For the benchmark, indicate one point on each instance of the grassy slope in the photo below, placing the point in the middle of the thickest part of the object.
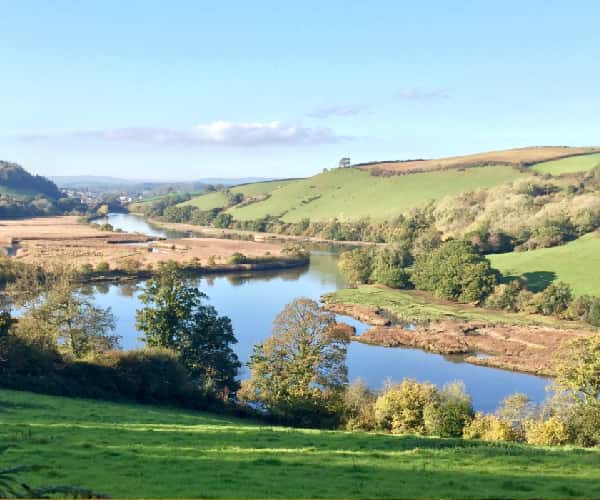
(218, 199)
(568, 165)
(421, 306)
(135, 451)
(353, 193)
(576, 263)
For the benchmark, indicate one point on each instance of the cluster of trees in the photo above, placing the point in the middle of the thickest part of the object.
(63, 343)
(454, 270)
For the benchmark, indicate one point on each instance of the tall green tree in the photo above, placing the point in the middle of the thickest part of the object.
(455, 271)
(299, 373)
(176, 317)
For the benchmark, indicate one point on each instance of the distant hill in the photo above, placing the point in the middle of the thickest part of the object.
(116, 184)
(16, 182)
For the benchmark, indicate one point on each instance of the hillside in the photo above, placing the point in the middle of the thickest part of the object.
(350, 194)
(363, 191)
(16, 182)
(131, 451)
(576, 263)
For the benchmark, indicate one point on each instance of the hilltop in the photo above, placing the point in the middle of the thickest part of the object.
(16, 182)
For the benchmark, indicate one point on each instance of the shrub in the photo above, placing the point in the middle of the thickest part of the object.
(555, 299)
(550, 432)
(359, 411)
(584, 422)
(102, 267)
(505, 297)
(357, 265)
(400, 408)
(448, 415)
(237, 258)
(489, 428)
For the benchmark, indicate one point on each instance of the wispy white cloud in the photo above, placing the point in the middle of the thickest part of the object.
(219, 133)
(415, 94)
(337, 111)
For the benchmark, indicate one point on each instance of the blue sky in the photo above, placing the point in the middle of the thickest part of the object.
(184, 90)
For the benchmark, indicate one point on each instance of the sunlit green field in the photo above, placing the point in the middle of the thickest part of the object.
(351, 193)
(576, 263)
(130, 451)
(568, 165)
(412, 305)
(218, 199)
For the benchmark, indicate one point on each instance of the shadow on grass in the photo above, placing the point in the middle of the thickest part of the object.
(536, 280)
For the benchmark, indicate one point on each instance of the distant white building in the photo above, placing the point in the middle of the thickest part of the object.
(344, 162)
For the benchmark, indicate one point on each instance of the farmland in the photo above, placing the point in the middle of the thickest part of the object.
(576, 263)
(351, 194)
(568, 165)
(131, 451)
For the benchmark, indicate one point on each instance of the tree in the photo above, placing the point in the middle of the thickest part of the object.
(578, 368)
(299, 373)
(390, 267)
(455, 271)
(63, 316)
(357, 265)
(175, 317)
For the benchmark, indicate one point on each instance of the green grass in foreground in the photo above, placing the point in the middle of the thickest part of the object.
(419, 306)
(576, 263)
(351, 193)
(569, 165)
(130, 451)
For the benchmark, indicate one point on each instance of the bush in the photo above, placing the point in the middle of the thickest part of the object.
(505, 297)
(489, 428)
(400, 408)
(359, 411)
(584, 422)
(357, 265)
(102, 267)
(237, 258)
(550, 432)
(555, 299)
(448, 415)
(455, 271)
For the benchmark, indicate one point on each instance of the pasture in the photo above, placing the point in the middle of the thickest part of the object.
(132, 451)
(576, 263)
(569, 165)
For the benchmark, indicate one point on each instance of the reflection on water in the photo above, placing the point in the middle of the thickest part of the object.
(132, 223)
(252, 300)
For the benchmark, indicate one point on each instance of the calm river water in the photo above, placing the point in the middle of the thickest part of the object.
(253, 301)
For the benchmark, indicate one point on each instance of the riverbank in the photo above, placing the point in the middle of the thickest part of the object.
(239, 234)
(114, 255)
(516, 342)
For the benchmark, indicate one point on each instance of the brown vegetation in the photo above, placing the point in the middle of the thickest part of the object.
(519, 157)
(45, 241)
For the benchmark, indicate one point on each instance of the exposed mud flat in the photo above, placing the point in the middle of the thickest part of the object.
(524, 348)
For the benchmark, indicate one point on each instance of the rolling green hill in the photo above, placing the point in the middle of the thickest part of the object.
(570, 165)
(576, 263)
(350, 193)
(131, 451)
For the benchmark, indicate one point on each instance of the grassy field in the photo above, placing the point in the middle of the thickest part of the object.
(568, 165)
(576, 263)
(218, 199)
(421, 306)
(130, 451)
(353, 193)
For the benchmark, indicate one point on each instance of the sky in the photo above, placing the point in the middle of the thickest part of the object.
(195, 89)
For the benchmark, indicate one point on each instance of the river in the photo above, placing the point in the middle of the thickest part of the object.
(252, 301)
